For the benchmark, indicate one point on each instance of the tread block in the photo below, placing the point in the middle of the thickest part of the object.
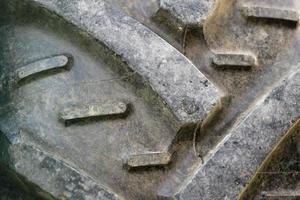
(247, 60)
(94, 110)
(63, 179)
(271, 13)
(186, 12)
(175, 80)
(149, 159)
(43, 65)
(230, 166)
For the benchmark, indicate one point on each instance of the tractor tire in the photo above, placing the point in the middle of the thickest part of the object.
(149, 99)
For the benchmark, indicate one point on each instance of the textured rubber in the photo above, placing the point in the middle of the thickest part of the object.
(139, 99)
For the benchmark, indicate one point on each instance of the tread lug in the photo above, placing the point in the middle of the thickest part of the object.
(147, 54)
(94, 110)
(280, 193)
(237, 154)
(246, 60)
(47, 167)
(56, 62)
(270, 13)
(149, 159)
(190, 13)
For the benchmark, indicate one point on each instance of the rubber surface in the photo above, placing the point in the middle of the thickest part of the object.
(145, 99)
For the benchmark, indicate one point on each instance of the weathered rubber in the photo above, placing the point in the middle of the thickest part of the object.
(188, 13)
(62, 180)
(232, 164)
(163, 70)
(169, 73)
(104, 108)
